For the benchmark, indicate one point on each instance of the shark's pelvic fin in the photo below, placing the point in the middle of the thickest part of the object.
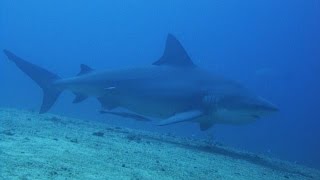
(174, 55)
(84, 69)
(42, 77)
(181, 117)
(79, 98)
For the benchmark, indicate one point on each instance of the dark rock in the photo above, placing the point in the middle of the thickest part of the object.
(7, 132)
(54, 119)
(133, 137)
(74, 140)
(109, 129)
(99, 134)
(53, 173)
(65, 169)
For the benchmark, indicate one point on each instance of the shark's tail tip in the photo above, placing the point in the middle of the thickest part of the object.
(11, 56)
(7, 52)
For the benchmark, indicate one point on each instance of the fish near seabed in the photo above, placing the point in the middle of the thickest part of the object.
(173, 89)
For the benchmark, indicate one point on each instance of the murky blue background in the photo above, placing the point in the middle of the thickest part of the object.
(272, 47)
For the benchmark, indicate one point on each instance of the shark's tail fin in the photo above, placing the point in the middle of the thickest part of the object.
(42, 77)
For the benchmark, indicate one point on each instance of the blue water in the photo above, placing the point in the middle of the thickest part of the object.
(272, 47)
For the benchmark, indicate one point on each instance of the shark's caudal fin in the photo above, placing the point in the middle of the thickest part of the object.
(41, 76)
(174, 55)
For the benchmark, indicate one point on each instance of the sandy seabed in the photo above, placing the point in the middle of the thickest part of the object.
(49, 146)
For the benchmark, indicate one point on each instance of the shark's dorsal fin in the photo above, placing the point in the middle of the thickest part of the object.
(174, 55)
(84, 69)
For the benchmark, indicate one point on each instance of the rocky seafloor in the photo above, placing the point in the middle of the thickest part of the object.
(49, 146)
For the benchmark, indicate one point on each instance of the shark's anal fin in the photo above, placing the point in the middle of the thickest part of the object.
(79, 98)
(205, 125)
(84, 69)
(174, 55)
(181, 117)
(107, 103)
(136, 117)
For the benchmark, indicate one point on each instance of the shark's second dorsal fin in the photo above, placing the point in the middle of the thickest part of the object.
(174, 55)
(84, 69)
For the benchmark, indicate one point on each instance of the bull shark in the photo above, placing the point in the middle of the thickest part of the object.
(172, 90)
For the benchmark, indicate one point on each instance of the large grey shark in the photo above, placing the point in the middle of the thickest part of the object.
(172, 89)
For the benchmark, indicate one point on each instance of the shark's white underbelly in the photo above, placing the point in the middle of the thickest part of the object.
(153, 107)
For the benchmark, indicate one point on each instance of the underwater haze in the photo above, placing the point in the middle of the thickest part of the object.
(272, 47)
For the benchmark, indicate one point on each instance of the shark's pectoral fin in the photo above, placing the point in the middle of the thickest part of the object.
(205, 125)
(124, 114)
(79, 98)
(181, 117)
